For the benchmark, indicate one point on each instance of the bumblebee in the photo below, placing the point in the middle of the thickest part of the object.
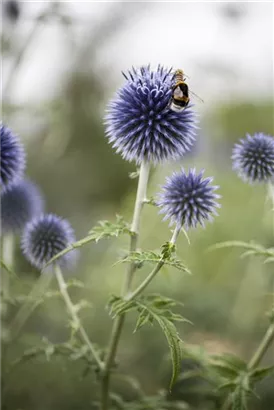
(180, 92)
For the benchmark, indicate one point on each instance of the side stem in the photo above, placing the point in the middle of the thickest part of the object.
(119, 321)
(153, 273)
(71, 309)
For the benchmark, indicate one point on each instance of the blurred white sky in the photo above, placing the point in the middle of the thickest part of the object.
(222, 58)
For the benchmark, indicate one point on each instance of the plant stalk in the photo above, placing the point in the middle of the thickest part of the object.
(119, 321)
(8, 258)
(154, 272)
(72, 311)
(27, 309)
(262, 348)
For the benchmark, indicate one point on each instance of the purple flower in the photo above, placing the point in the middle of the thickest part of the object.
(12, 158)
(253, 158)
(19, 204)
(139, 123)
(188, 199)
(45, 237)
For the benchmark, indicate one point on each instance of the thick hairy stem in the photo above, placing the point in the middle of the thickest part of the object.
(73, 313)
(119, 321)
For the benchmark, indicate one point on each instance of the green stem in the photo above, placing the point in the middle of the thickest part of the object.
(262, 348)
(8, 258)
(72, 311)
(119, 321)
(154, 272)
(27, 309)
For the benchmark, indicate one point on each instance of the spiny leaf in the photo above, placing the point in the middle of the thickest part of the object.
(172, 337)
(230, 360)
(251, 249)
(261, 373)
(225, 371)
(103, 230)
(140, 257)
(155, 308)
(106, 229)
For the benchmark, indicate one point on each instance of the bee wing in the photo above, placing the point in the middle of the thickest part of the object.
(196, 96)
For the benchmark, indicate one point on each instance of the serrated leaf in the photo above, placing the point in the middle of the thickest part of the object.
(140, 257)
(230, 360)
(227, 386)
(252, 249)
(104, 230)
(225, 371)
(259, 374)
(172, 337)
(143, 318)
(107, 229)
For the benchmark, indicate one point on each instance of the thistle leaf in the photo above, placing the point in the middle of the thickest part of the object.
(261, 373)
(103, 230)
(140, 257)
(251, 249)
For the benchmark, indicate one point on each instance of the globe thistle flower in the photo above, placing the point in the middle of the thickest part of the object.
(12, 158)
(188, 199)
(19, 204)
(139, 123)
(46, 236)
(253, 158)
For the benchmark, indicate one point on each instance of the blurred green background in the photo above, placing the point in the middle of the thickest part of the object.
(61, 65)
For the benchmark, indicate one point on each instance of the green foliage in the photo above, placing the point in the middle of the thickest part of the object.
(103, 230)
(155, 308)
(238, 379)
(166, 256)
(252, 249)
(7, 269)
(48, 350)
(157, 402)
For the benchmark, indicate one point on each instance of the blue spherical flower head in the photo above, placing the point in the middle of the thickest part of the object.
(140, 124)
(19, 204)
(253, 158)
(45, 237)
(12, 158)
(188, 199)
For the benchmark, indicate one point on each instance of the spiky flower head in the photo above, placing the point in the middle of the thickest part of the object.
(140, 124)
(19, 204)
(188, 199)
(44, 237)
(253, 158)
(12, 158)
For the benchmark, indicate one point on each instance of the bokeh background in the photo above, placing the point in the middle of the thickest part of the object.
(62, 62)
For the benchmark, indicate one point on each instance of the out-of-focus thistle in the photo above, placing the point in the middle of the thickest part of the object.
(11, 10)
(139, 123)
(253, 158)
(44, 237)
(188, 199)
(19, 204)
(12, 158)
